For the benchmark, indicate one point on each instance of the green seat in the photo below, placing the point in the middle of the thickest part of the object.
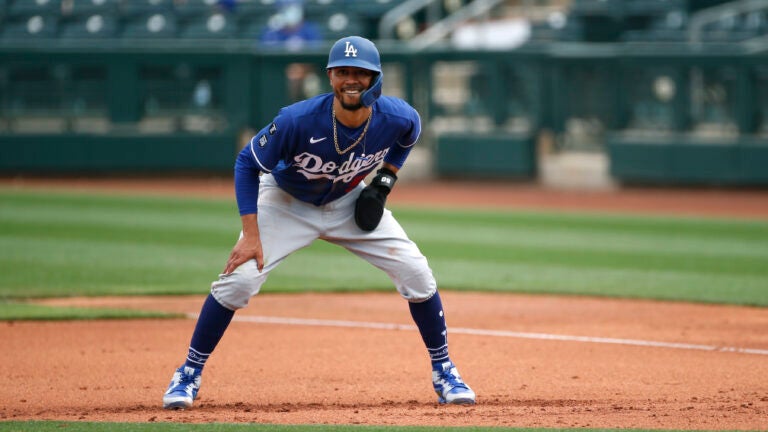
(336, 25)
(161, 26)
(196, 8)
(251, 27)
(30, 27)
(94, 26)
(146, 7)
(371, 8)
(92, 7)
(19, 8)
(323, 6)
(216, 25)
(258, 9)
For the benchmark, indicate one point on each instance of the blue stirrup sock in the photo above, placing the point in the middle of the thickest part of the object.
(430, 320)
(213, 321)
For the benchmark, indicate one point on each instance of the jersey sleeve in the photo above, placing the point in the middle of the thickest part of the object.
(402, 147)
(246, 183)
(261, 154)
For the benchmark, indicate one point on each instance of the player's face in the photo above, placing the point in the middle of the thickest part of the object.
(348, 84)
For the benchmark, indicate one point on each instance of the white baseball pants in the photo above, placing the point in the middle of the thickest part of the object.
(287, 225)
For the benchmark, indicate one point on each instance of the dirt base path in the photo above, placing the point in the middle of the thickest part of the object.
(534, 361)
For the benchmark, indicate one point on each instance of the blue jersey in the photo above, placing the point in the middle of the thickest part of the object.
(299, 149)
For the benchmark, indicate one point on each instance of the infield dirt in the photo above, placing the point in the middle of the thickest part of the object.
(534, 361)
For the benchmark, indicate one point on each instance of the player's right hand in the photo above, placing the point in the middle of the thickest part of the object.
(247, 248)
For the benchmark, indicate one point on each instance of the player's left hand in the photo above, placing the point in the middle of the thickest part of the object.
(248, 246)
(369, 207)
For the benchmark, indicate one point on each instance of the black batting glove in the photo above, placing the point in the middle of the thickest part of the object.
(369, 207)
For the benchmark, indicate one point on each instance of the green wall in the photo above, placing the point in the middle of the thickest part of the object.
(666, 114)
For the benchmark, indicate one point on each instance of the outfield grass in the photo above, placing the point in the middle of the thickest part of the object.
(57, 244)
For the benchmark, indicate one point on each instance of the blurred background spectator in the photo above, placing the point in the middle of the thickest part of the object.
(289, 28)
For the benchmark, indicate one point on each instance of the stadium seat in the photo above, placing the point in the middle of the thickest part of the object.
(669, 27)
(653, 7)
(756, 21)
(251, 27)
(195, 8)
(255, 9)
(323, 6)
(736, 28)
(89, 27)
(34, 7)
(30, 27)
(371, 8)
(572, 31)
(371, 12)
(216, 25)
(93, 7)
(150, 26)
(597, 7)
(336, 25)
(146, 7)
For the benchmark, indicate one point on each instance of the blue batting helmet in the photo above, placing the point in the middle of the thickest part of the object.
(356, 51)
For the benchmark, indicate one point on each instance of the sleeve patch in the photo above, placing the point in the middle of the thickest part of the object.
(272, 129)
(262, 141)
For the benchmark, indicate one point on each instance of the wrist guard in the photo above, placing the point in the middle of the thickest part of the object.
(369, 207)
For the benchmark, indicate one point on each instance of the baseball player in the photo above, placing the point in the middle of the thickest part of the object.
(301, 179)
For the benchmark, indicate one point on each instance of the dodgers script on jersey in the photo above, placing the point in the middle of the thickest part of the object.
(300, 150)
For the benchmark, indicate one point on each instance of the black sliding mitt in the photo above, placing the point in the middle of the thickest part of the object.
(370, 204)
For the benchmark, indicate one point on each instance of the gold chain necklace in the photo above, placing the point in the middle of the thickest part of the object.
(357, 141)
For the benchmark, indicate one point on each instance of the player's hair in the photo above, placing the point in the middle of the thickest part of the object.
(356, 51)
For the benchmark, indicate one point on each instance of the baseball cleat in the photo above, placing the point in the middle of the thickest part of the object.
(183, 388)
(449, 387)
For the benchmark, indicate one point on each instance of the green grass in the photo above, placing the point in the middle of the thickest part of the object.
(57, 244)
(66, 245)
(18, 311)
(647, 257)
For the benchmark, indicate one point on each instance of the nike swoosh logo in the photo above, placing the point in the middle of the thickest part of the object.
(313, 140)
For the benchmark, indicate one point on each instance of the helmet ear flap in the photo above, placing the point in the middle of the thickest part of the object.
(374, 91)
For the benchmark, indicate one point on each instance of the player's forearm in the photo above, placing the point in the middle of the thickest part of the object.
(250, 224)
(390, 167)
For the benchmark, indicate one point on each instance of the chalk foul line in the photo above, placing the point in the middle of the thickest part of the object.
(312, 322)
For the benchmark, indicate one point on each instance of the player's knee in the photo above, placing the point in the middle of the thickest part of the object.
(417, 286)
(234, 290)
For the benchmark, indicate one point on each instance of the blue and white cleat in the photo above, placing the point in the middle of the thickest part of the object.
(183, 388)
(449, 387)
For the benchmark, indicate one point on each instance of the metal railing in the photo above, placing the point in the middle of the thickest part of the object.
(390, 20)
(439, 30)
(726, 11)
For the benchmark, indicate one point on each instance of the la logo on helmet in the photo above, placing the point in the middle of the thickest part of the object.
(350, 50)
